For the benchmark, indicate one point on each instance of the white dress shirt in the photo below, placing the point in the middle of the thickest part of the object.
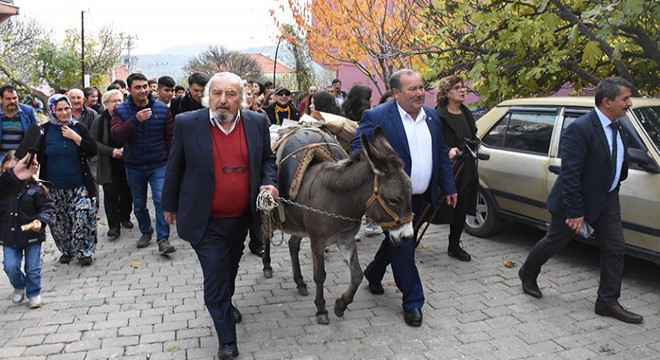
(215, 122)
(420, 144)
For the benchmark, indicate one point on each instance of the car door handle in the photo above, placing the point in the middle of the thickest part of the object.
(483, 156)
(554, 169)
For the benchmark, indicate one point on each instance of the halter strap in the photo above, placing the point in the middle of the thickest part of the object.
(397, 220)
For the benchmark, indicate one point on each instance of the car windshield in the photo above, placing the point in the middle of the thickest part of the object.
(649, 117)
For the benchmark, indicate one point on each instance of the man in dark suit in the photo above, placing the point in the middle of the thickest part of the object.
(594, 163)
(414, 132)
(220, 159)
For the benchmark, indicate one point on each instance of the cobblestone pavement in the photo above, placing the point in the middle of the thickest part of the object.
(134, 304)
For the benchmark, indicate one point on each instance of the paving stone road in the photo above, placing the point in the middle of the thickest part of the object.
(133, 304)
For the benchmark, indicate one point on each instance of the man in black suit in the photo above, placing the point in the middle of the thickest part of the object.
(220, 160)
(594, 163)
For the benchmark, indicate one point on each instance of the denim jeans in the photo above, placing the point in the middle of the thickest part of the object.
(137, 181)
(31, 279)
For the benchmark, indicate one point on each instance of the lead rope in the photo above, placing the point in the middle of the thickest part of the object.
(270, 220)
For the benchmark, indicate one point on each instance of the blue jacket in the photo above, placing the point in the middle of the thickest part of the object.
(583, 181)
(387, 116)
(26, 113)
(146, 144)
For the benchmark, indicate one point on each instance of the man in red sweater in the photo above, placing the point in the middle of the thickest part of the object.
(220, 160)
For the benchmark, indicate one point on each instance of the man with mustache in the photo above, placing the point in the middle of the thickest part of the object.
(15, 117)
(415, 133)
(586, 193)
(220, 160)
(144, 126)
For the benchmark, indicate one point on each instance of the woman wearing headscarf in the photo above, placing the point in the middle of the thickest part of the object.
(457, 125)
(111, 173)
(63, 153)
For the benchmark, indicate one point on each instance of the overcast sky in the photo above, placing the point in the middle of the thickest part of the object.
(235, 24)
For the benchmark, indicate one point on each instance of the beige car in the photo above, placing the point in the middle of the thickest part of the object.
(520, 139)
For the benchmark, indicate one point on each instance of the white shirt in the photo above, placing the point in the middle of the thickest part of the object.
(216, 123)
(420, 144)
(609, 134)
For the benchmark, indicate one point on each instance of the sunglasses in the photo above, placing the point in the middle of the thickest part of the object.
(284, 94)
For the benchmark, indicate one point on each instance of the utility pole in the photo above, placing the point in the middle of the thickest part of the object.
(82, 38)
(128, 60)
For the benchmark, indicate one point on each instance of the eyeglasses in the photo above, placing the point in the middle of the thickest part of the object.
(231, 169)
(283, 94)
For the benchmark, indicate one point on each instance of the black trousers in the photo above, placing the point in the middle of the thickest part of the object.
(608, 233)
(219, 253)
(465, 198)
(117, 199)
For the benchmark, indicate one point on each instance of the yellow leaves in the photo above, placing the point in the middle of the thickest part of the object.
(136, 264)
(508, 263)
(592, 54)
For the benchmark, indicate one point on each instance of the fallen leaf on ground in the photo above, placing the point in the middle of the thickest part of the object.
(422, 246)
(135, 264)
(174, 348)
(607, 349)
(509, 263)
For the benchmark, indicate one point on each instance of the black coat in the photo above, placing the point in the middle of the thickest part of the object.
(183, 104)
(31, 203)
(467, 180)
(270, 111)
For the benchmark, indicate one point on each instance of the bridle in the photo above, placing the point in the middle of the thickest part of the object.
(397, 220)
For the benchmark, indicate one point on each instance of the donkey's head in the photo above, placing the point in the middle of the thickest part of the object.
(390, 205)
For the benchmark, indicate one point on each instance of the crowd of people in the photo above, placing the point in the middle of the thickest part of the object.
(205, 153)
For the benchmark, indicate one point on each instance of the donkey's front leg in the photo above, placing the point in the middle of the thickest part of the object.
(318, 253)
(349, 251)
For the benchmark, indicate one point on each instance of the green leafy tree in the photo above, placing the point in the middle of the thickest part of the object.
(524, 48)
(302, 61)
(218, 59)
(60, 65)
(20, 39)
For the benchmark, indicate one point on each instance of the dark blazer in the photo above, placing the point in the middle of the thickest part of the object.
(189, 178)
(387, 116)
(183, 104)
(583, 180)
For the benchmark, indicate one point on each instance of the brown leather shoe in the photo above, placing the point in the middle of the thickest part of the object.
(529, 285)
(618, 312)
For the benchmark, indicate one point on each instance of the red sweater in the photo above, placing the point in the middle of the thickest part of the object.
(231, 163)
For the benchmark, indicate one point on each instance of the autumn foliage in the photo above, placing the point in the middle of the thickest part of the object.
(370, 34)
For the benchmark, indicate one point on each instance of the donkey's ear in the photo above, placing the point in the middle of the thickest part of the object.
(376, 162)
(380, 141)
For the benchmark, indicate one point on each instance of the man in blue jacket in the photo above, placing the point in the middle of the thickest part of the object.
(415, 133)
(15, 117)
(586, 193)
(145, 127)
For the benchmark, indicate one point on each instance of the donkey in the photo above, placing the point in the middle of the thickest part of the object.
(371, 181)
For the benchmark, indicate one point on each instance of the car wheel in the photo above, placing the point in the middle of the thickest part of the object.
(485, 222)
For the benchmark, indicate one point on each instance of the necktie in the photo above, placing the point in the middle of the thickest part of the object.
(614, 126)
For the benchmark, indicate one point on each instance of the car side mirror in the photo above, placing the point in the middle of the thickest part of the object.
(643, 159)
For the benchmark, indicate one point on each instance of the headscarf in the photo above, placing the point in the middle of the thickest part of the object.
(52, 104)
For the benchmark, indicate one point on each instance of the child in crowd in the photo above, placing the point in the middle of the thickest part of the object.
(23, 219)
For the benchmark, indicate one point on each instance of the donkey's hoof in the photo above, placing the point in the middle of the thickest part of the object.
(302, 290)
(322, 319)
(268, 273)
(340, 307)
